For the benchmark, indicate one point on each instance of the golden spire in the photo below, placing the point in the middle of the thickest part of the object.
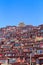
(21, 24)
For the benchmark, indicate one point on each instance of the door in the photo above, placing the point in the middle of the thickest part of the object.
(41, 61)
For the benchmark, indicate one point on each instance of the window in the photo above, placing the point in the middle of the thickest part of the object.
(30, 29)
(38, 34)
(33, 36)
(24, 31)
(27, 54)
(8, 54)
(17, 44)
(42, 34)
(3, 46)
(41, 30)
(12, 60)
(2, 61)
(37, 61)
(39, 51)
(41, 45)
(36, 45)
(30, 49)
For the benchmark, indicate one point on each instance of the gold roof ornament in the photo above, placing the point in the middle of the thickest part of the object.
(21, 24)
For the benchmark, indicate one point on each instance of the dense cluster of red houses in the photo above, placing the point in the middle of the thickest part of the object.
(21, 45)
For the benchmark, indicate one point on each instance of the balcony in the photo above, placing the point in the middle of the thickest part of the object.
(5, 46)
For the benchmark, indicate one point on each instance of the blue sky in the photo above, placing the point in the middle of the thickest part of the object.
(14, 11)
